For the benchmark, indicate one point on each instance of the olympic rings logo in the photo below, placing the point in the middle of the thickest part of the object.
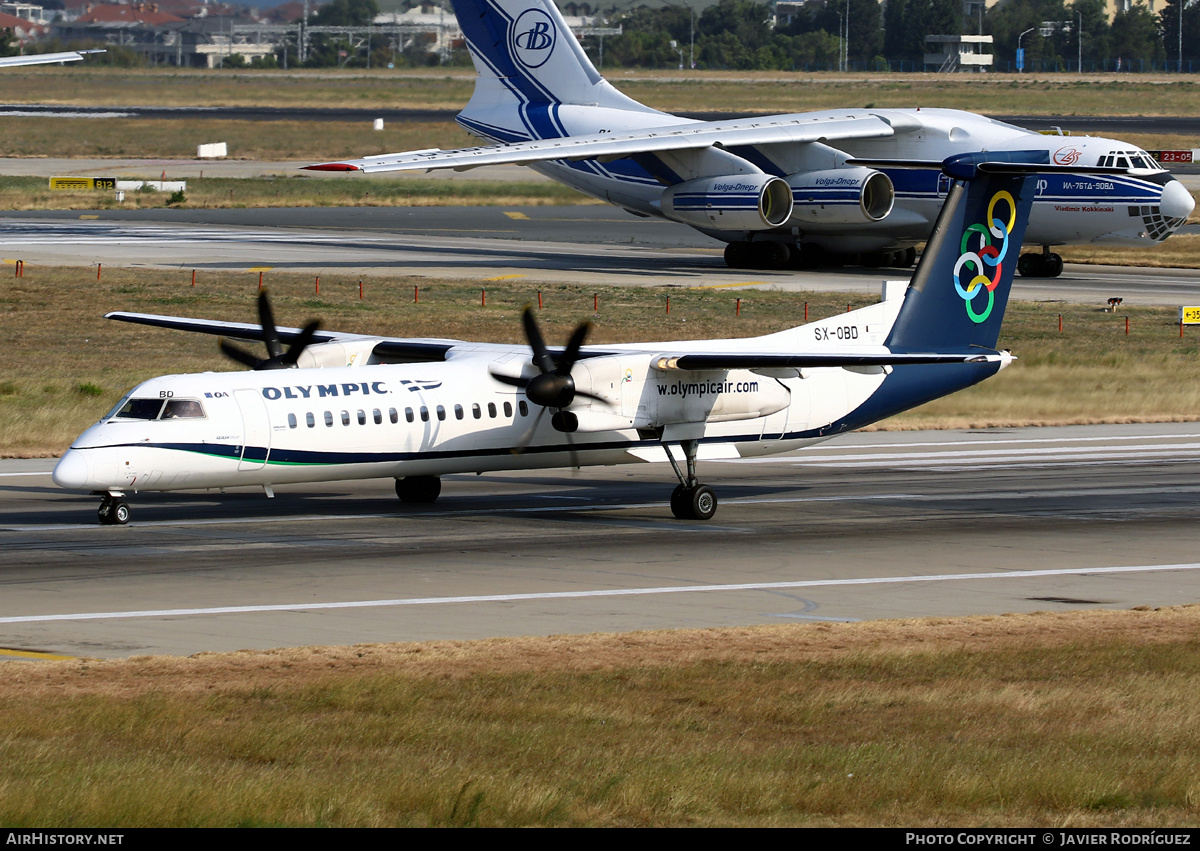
(990, 250)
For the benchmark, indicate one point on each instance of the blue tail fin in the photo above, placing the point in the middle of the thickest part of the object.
(529, 64)
(960, 288)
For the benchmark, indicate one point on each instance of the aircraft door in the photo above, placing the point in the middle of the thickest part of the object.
(256, 429)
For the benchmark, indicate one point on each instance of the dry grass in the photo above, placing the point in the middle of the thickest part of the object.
(1092, 94)
(33, 193)
(298, 141)
(1090, 373)
(1079, 719)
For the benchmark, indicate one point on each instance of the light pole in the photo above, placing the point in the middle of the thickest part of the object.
(1020, 55)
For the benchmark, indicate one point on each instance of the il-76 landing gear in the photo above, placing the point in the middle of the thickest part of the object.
(1044, 265)
(690, 500)
(114, 510)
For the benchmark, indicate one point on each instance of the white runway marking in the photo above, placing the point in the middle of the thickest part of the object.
(611, 592)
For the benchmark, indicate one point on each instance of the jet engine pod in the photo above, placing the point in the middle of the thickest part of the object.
(841, 196)
(736, 202)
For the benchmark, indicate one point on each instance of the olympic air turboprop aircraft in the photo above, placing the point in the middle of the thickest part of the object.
(357, 407)
(781, 190)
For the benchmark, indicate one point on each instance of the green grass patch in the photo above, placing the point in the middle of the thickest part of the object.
(1090, 372)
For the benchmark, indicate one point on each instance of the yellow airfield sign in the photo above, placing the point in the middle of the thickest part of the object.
(78, 183)
(1189, 315)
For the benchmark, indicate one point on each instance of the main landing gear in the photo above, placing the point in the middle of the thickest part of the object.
(419, 490)
(690, 500)
(1044, 265)
(114, 510)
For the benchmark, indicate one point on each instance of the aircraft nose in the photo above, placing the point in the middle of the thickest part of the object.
(71, 471)
(1177, 202)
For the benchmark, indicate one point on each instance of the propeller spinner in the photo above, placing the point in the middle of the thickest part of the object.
(276, 358)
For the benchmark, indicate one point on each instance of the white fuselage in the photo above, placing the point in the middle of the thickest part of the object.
(397, 420)
(1137, 209)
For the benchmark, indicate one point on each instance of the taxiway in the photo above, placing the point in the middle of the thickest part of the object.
(875, 525)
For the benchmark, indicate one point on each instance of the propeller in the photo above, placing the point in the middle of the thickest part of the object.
(276, 358)
(553, 386)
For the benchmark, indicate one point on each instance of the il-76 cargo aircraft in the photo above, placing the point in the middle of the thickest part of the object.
(780, 190)
(345, 406)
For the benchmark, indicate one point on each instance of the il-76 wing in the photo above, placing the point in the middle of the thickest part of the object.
(778, 129)
(45, 58)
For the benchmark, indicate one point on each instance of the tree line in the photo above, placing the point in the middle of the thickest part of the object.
(741, 35)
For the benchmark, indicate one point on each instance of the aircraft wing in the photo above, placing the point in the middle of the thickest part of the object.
(425, 350)
(769, 130)
(45, 58)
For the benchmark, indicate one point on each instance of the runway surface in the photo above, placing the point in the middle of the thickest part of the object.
(587, 244)
(877, 525)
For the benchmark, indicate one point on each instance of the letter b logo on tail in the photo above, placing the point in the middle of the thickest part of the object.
(532, 38)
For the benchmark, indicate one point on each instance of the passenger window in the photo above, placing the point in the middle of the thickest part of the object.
(329, 418)
(475, 411)
(523, 408)
(362, 417)
(395, 417)
(408, 414)
(492, 410)
(424, 414)
(458, 412)
(378, 415)
(508, 409)
(291, 420)
(345, 418)
(441, 412)
(310, 419)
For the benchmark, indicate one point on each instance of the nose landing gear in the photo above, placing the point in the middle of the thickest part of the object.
(114, 510)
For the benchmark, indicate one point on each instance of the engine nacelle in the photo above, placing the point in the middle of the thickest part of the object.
(736, 202)
(840, 196)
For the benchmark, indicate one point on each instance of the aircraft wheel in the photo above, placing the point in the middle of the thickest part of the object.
(1054, 266)
(769, 255)
(1031, 266)
(906, 258)
(680, 504)
(421, 490)
(703, 502)
(737, 255)
(697, 503)
(113, 512)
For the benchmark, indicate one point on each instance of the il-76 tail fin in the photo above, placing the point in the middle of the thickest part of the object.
(961, 286)
(528, 62)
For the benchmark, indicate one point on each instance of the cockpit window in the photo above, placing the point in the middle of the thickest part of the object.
(183, 409)
(139, 409)
(158, 409)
